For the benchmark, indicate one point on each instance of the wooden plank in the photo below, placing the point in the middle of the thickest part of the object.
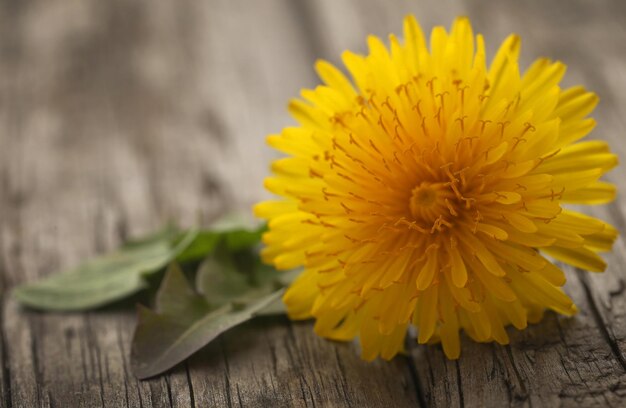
(105, 133)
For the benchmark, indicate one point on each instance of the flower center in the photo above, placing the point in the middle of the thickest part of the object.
(430, 202)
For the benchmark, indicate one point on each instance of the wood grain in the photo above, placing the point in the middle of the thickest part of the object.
(118, 116)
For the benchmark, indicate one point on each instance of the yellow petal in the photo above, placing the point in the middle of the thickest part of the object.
(540, 290)
(334, 78)
(427, 272)
(579, 257)
(520, 222)
(599, 192)
(427, 314)
(450, 326)
(459, 272)
(300, 296)
(603, 240)
(274, 208)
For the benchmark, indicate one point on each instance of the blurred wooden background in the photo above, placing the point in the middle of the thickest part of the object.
(118, 115)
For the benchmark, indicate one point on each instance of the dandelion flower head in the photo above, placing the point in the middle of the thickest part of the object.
(428, 190)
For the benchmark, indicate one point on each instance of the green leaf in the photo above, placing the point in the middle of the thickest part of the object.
(204, 243)
(109, 278)
(183, 323)
(239, 239)
(176, 299)
(207, 241)
(238, 278)
(219, 280)
(120, 274)
(236, 232)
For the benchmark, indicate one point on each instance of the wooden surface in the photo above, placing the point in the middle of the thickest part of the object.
(118, 115)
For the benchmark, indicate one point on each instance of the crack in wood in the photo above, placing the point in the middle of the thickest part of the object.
(36, 363)
(342, 382)
(608, 336)
(95, 355)
(168, 388)
(520, 381)
(459, 383)
(417, 382)
(192, 397)
(229, 399)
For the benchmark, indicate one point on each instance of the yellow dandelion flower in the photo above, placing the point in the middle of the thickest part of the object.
(429, 190)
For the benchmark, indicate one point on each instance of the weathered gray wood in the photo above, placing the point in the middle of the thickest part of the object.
(118, 116)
